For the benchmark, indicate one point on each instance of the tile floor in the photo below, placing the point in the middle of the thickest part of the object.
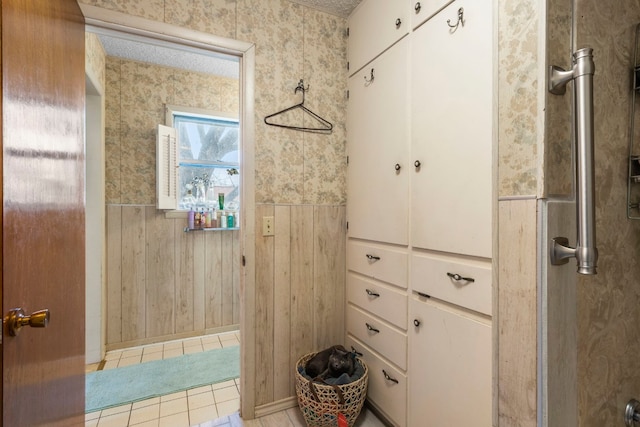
(214, 405)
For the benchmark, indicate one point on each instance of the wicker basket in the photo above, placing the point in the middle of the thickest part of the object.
(331, 399)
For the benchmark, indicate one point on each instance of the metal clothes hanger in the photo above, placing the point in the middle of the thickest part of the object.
(323, 126)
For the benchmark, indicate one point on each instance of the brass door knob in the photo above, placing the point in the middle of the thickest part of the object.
(16, 319)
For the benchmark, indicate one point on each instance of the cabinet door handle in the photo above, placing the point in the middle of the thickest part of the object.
(418, 7)
(356, 352)
(416, 322)
(372, 329)
(389, 378)
(417, 164)
(459, 278)
(372, 293)
(373, 257)
(398, 22)
(397, 167)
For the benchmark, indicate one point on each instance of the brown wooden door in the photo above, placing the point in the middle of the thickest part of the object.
(43, 210)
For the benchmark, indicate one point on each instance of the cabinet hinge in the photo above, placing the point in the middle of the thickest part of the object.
(422, 294)
(347, 65)
(347, 159)
(347, 31)
(347, 94)
(244, 261)
(347, 225)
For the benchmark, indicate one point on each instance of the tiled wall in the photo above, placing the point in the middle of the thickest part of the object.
(608, 309)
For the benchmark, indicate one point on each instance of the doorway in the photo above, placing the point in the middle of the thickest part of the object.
(155, 222)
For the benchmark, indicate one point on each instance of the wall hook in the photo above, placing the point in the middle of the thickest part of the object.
(368, 81)
(301, 88)
(460, 20)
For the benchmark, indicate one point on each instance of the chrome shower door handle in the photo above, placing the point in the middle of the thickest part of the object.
(585, 250)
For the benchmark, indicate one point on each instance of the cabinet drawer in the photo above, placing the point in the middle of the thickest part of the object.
(425, 9)
(379, 299)
(387, 395)
(378, 262)
(432, 275)
(373, 27)
(378, 335)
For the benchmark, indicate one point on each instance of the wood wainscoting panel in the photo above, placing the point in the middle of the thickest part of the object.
(189, 315)
(282, 302)
(213, 267)
(329, 275)
(161, 285)
(300, 280)
(133, 273)
(264, 308)
(164, 283)
(302, 300)
(114, 274)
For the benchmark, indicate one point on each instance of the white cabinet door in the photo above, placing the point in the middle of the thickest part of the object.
(450, 363)
(373, 27)
(425, 9)
(378, 170)
(452, 115)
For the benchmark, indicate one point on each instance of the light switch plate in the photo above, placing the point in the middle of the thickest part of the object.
(267, 226)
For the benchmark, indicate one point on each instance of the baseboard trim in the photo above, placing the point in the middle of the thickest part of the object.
(273, 407)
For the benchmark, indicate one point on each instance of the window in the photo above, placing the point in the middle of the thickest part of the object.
(206, 160)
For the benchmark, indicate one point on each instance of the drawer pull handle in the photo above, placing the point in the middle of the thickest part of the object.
(458, 278)
(423, 295)
(372, 329)
(373, 257)
(398, 22)
(418, 7)
(389, 378)
(397, 167)
(372, 294)
(416, 322)
(356, 352)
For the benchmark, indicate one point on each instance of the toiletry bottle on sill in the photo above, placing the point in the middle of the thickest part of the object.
(230, 220)
(223, 219)
(191, 216)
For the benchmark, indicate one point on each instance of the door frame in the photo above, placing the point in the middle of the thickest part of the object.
(245, 52)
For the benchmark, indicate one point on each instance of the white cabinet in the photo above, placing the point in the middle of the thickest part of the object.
(450, 360)
(373, 27)
(425, 9)
(378, 136)
(419, 200)
(452, 131)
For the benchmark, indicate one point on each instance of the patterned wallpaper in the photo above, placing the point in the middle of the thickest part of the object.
(95, 58)
(135, 97)
(518, 58)
(293, 43)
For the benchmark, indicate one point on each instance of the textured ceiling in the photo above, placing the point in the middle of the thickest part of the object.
(335, 7)
(163, 54)
(201, 61)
